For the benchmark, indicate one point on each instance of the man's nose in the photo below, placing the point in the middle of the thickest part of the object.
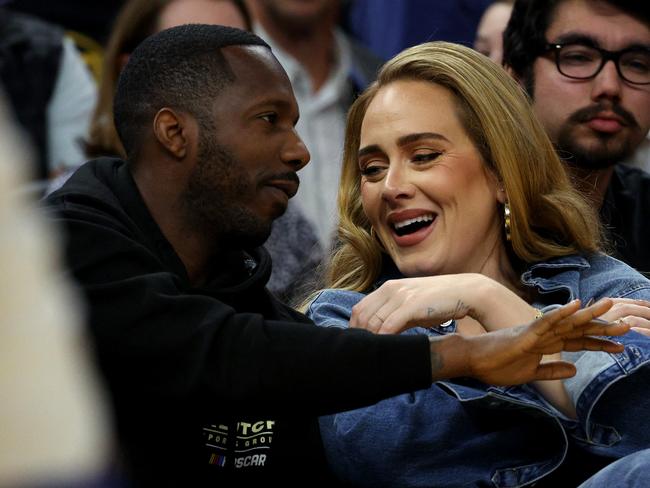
(607, 83)
(294, 152)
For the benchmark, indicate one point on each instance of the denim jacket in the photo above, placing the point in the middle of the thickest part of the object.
(466, 433)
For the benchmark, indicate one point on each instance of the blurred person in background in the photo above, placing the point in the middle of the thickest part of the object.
(90, 19)
(389, 26)
(489, 35)
(49, 89)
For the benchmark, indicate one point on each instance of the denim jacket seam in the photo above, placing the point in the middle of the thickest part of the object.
(635, 288)
(547, 285)
(576, 262)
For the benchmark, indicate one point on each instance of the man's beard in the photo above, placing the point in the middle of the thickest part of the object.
(211, 199)
(602, 150)
(606, 152)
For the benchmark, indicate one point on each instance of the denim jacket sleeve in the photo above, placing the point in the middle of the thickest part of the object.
(609, 390)
(332, 308)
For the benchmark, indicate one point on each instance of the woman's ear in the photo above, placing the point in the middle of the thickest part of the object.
(502, 196)
(170, 130)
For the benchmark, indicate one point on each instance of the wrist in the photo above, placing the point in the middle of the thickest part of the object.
(503, 307)
(449, 356)
(489, 301)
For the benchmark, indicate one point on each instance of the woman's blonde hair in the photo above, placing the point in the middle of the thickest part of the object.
(548, 217)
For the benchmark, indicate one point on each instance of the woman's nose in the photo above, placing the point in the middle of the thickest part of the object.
(397, 184)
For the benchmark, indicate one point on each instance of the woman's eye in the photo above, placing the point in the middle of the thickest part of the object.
(425, 157)
(370, 170)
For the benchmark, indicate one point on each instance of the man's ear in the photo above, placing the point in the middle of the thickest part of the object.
(171, 132)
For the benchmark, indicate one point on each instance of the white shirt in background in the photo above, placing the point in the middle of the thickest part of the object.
(322, 128)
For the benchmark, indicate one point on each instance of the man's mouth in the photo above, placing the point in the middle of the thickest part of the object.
(287, 183)
(604, 118)
(605, 124)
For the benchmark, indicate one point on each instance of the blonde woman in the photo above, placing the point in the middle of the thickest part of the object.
(450, 183)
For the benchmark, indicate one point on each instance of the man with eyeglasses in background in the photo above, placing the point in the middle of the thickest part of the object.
(586, 66)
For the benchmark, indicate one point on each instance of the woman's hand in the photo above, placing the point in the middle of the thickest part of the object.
(634, 312)
(429, 301)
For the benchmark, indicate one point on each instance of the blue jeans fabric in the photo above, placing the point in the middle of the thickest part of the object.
(631, 471)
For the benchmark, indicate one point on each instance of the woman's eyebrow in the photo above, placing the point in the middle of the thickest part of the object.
(371, 149)
(410, 138)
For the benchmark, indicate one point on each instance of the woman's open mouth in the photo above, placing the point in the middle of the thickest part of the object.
(409, 226)
(413, 230)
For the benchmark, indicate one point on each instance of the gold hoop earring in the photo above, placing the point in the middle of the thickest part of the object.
(506, 221)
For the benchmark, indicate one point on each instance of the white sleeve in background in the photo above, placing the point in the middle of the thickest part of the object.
(69, 111)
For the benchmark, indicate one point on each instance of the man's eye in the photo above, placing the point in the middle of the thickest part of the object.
(640, 64)
(271, 118)
(578, 56)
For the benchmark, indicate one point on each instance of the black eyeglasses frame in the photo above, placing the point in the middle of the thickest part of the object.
(605, 55)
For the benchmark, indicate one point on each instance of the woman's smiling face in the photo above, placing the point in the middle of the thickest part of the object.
(424, 186)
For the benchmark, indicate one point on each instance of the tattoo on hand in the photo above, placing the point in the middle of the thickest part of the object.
(460, 307)
(460, 310)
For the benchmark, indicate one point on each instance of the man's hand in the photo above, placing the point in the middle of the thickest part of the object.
(512, 356)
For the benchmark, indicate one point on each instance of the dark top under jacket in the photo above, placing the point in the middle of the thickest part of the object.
(626, 215)
(216, 383)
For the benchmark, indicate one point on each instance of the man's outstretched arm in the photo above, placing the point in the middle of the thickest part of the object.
(512, 356)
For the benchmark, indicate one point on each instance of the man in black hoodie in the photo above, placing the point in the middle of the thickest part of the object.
(212, 379)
